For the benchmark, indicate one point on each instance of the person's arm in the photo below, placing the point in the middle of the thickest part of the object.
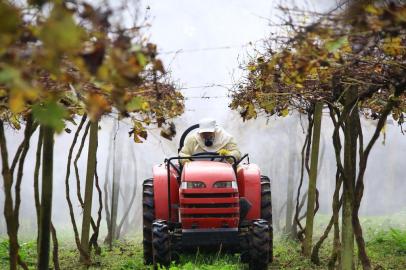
(187, 149)
(232, 149)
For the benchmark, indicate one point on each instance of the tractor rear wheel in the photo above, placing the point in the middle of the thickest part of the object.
(266, 209)
(161, 243)
(259, 245)
(148, 216)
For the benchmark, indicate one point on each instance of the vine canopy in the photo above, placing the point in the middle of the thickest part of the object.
(59, 59)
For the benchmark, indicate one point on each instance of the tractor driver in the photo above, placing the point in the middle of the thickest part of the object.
(210, 138)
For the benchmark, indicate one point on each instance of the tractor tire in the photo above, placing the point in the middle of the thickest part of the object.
(259, 245)
(244, 239)
(161, 244)
(266, 210)
(148, 217)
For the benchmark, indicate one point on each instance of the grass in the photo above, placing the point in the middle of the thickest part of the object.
(385, 241)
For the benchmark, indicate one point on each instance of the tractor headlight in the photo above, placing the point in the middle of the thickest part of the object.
(192, 184)
(225, 184)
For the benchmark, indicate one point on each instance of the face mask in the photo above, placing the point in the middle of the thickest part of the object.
(208, 142)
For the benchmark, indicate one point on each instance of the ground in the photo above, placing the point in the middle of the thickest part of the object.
(385, 239)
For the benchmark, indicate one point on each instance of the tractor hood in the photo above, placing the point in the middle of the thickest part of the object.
(208, 171)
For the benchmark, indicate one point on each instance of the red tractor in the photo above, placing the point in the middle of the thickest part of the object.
(208, 202)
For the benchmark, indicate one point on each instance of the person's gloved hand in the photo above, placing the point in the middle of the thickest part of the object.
(184, 161)
(224, 152)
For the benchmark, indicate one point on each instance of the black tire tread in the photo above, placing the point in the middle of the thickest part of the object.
(266, 209)
(148, 216)
(244, 247)
(161, 244)
(259, 245)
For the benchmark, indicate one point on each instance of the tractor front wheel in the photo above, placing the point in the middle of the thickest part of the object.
(161, 243)
(148, 216)
(259, 245)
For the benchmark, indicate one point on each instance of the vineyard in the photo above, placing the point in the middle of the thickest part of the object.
(99, 170)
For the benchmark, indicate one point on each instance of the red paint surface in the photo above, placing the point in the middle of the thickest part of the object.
(193, 205)
(249, 184)
(161, 193)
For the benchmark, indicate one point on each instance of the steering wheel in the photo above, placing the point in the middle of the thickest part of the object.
(217, 156)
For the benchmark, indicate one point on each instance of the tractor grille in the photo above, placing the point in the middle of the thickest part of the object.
(209, 216)
(210, 205)
(208, 195)
(205, 209)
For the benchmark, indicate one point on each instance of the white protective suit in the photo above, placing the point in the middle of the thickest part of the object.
(194, 144)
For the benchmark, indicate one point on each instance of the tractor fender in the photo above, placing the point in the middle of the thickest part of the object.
(160, 174)
(249, 186)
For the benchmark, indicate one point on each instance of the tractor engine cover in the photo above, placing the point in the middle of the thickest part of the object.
(208, 196)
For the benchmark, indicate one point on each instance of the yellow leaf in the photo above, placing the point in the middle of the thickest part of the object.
(393, 46)
(145, 106)
(14, 121)
(400, 13)
(103, 72)
(3, 92)
(285, 112)
(107, 87)
(139, 132)
(251, 67)
(251, 111)
(19, 98)
(97, 105)
(373, 10)
(16, 102)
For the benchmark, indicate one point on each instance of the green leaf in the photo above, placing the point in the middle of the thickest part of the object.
(334, 45)
(9, 75)
(267, 105)
(136, 104)
(60, 32)
(50, 114)
(141, 59)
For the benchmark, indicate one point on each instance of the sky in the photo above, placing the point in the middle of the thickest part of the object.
(193, 27)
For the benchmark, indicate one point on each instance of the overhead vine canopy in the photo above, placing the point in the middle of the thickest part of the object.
(59, 59)
(319, 61)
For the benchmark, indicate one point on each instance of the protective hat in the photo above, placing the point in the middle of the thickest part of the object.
(207, 125)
